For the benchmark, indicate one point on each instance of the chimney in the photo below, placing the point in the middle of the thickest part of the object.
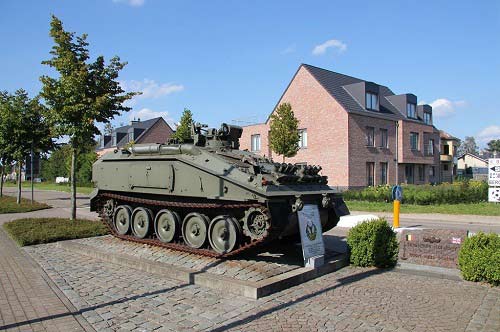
(134, 121)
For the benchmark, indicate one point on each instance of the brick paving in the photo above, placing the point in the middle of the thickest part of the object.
(251, 267)
(115, 298)
(27, 302)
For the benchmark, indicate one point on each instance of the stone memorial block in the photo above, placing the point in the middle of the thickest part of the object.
(435, 247)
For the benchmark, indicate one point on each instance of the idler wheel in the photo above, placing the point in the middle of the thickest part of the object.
(121, 219)
(255, 224)
(224, 234)
(167, 225)
(141, 220)
(194, 229)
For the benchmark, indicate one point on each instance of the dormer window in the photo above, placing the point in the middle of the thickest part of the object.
(411, 110)
(371, 101)
(427, 118)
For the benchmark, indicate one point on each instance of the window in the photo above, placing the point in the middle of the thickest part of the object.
(427, 118)
(371, 101)
(430, 147)
(432, 171)
(302, 138)
(383, 139)
(370, 136)
(411, 110)
(445, 167)
(370, 170)
(383, 173)
(446, 149)
(414, 141)
(409, 173)
(421, 176)
(255, 146)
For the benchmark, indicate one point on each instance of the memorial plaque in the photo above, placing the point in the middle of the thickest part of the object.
(311, 235)
(435, 247)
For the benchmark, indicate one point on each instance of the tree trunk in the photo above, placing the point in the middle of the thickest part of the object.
(1, 181)
(73, 184)
(19, 185)
(31, 175)
(283, 158)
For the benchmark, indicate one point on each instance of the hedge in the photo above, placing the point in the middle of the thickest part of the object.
(373, 243)
(479, 258)
(447, 193)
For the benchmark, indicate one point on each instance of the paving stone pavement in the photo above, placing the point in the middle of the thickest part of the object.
(115, 298)
(27, 302)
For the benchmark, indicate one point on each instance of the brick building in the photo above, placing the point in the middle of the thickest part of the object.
(360, 132)
(155, 130)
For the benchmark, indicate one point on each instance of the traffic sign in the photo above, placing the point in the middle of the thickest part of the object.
(494, 195)
(397, 193)
(494, 172)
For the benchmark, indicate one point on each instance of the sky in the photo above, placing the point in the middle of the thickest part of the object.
(230, 61)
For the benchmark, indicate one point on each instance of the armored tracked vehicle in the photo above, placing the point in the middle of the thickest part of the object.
(205, 195)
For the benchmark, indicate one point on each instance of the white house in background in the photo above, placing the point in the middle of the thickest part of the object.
(471, 165)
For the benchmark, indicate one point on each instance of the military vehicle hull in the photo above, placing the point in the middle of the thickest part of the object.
(206, 197)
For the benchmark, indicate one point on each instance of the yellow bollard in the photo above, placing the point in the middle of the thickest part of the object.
(395, 221)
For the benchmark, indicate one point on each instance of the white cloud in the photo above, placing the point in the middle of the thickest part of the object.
(443, 107)
(332, 43)
(133, 3)
(150, 88)
(289, 49)
(488, 133)
(147, 113)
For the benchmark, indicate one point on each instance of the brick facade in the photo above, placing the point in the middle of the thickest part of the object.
(337, 138)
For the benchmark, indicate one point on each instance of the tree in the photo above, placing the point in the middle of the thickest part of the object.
(468, 145)
(183, 131)
(5, 157)
(25, 127)
(284, 133)
(108, 129)
(84, 93)
(494, 147)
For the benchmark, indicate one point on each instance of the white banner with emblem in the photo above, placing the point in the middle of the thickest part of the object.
(311, 234)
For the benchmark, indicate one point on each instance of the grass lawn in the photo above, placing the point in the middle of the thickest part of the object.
(8, 205)
(52, 186)
(484, 209)
(44, 230)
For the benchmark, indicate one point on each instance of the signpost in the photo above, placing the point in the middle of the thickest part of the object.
(311, 236)
(397, 196)
(494, 180)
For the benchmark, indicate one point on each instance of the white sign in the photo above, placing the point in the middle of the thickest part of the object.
(310, 232)
(494, 172)
(494, 195)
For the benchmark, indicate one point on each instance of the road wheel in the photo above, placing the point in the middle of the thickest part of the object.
(194, 229)
(224, 234)
(141, 220)
(167, 225)
(121, 219)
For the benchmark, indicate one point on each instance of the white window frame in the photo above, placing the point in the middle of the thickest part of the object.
(303, 138)
(428, 118)
(371, 101)
(417, 147)
(370, 136)
(255, 143)
(384, 168)
(411, 110)
(384, 144)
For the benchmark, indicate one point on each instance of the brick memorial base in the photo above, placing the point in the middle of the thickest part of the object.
(435, 247)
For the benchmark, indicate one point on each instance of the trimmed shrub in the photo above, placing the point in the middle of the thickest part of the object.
(373, 243)
(479, 258)
(466, 191)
